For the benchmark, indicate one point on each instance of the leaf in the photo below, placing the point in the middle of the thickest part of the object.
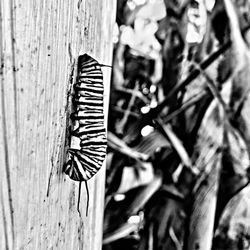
(132, 224)
(123, 231)
(117, 213)
(234, 170)
(244, 121)
(130, 179)
(144, 195)
(154, 112)
(120, 146)
(207, 158)
(234, 227)
(204, 207)
(240, 59)
(175, 142)
(237, 152)
(165, 217)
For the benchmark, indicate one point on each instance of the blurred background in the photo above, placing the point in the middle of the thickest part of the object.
(179, 126)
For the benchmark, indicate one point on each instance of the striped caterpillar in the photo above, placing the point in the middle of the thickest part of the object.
(88, 142)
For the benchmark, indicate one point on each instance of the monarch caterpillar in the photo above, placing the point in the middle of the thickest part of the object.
(88, 141)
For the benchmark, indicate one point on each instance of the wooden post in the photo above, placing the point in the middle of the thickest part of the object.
(39, 43)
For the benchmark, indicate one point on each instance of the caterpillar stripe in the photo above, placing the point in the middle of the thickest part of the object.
(88, 144)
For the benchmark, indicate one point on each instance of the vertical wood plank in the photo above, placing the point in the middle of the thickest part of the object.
(39, 44)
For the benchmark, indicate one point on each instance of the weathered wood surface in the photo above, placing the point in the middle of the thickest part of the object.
(39, 42)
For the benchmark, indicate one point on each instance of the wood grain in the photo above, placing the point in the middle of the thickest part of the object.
(39, 44)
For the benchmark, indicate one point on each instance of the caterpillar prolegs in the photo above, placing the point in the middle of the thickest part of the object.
(88, 142)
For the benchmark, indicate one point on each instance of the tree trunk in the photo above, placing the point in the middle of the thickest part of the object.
(40, 42)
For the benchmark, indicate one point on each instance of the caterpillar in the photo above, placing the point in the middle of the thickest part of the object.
(88, 141)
